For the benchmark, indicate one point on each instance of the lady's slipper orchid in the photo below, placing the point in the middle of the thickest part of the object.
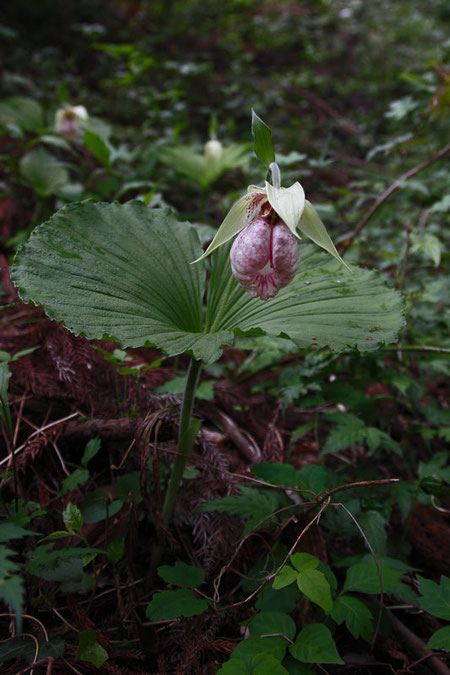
(259, 216)
(68, 119)
(264, 257)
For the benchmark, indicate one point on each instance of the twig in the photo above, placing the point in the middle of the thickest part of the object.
(387, 193)
(417, 646)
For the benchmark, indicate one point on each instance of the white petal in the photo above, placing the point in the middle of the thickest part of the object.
(288, 203)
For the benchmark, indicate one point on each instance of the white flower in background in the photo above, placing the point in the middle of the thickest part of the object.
(213, 149)
(69, 119)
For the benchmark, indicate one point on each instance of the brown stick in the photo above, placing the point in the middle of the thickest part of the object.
(417, 646)
(387, 193)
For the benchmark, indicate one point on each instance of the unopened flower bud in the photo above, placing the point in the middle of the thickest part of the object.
(264, 257)
(213, 149)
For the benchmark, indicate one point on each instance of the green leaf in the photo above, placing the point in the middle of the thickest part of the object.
(262, 137)
(267, 664)
(363, 578)
(271, 624)
(233, 667)
(173, 604)
(115, 549)
(5, 411)
(77, 477)
(440, 639)
(312, 227)
(252, 504)
(89, 649)
(43, 172)
(96, 506)
(22, 111)
(182, 574)
(120, 270)
(356, 615)
(435, 598)
(91, 449)
(282, 600)
(321, 306)
(73, 518)
(285, 577)
(11, 585)
(316, 588)
(248, 649)
(98, 147)
(315, 644)
(304, 561)
(10, 530)
(374, 527)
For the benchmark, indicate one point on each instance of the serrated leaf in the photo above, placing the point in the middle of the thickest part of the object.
(10, 530)
(363, 578)
(315, 644)
(435, 598)
(73, 518)
(356, 615)
(89, 649)
(252, 504)
(440, 639)
(182, 574)
(173, 604)
(262, 137)
(77, 477)
(314, 585)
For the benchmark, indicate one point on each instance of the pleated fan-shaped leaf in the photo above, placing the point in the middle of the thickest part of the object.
(120, 271)
(123, 271)
(325, 305)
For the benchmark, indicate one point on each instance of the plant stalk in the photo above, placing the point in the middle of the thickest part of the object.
(186, 438)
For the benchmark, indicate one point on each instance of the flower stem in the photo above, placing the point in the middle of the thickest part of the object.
(186, 437)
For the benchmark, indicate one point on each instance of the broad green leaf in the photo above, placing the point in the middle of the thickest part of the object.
(98, 147)
(315, 644)
(267, 664)
(277, 474)
(233, 667)
(182, 574)
(288, 203)
(22, 111)
(43, 172)
(363, 577)
(173, 604)
(9, 530)
(121, 271)
(435, 598)
(248, 649)
(356, 615)
(285, 577)
(272, 623)
(322, 306)
(304, 561)
(77, 477)
(262, 137)
(440, 639)
(312, 227)
(89, 649)
(316, 588)
(73, 518)
(115, 549)
(374, 527)
(282, 600)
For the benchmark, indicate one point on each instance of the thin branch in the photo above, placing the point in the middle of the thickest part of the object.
(392, 188)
